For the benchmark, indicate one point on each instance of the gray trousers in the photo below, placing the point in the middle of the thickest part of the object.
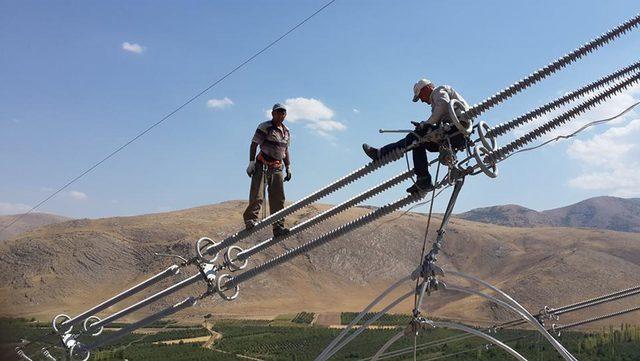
(275, 187)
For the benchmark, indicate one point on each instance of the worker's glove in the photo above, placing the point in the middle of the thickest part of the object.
(288, 176)
(251, 168)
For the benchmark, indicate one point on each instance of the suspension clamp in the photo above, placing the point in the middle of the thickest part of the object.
(231, 259)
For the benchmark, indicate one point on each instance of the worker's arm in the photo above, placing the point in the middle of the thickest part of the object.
(252, 158)
(287, 160)
(252, 151)
(287, 164)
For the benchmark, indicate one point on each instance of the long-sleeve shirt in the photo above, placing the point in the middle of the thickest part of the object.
(439, 98)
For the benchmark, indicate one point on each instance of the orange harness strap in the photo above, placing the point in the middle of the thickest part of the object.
(270, 164)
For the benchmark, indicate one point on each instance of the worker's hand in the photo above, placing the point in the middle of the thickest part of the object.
(416, 124)
(251, 168)
(288, 176)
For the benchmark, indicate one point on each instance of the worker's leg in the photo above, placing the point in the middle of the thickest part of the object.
(402, 143)
(256, 196)
(420, 162)
(276, 197)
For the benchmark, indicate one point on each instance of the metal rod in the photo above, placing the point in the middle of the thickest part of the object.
(188, 302)
(173, 270)
(395, 131)
(176, 287)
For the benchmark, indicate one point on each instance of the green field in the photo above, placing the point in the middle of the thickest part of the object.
(266, 340)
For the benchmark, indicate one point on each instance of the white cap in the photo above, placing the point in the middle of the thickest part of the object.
(418, 86)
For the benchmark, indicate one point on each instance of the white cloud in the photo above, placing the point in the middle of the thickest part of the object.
(356, 111)
(219, 103)
(133, 47)
(77, 195)
(13, 208)
(610, 159)
(314, 114)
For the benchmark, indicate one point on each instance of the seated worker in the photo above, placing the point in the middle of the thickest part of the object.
(438, 97)
(265, 169)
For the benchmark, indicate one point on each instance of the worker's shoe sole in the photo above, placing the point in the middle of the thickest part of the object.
(421, 185)
(280, 232)
(371, 152)
(250, 224)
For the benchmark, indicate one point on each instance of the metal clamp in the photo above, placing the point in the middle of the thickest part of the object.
(77, 352)
(230, 259)
(87, 325)
(455, 108)
(490, 170)
(220, 284)
(58, 321)
(489, 142)
(202, 245)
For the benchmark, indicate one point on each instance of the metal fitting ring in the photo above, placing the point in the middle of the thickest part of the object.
(490, 170)
(454, 107)
(230, 259)
(87, 324)
(72, 353)
(201, 245)
(55, 323)
(222, 293)
(491, 143)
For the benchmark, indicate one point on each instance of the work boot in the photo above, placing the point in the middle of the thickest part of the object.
(280, 231)
(371, 152)
(422, 184)
(250, 224)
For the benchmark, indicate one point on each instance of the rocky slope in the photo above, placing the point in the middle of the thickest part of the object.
(26, 223)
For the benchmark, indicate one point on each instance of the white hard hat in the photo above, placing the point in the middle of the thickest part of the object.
(418, 86)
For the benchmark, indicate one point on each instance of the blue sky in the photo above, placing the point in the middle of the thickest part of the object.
(78, 79)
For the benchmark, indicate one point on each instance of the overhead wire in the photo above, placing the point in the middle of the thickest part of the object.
(567, 136)
(170, 114)
(588, 303)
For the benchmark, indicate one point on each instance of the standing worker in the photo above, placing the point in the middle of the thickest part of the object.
(265, 170)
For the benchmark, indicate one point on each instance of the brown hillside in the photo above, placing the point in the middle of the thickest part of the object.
(69, 266)
(26, 223)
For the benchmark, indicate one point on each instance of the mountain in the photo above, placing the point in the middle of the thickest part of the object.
(26, 223)
(510, 215)
(67, 267)
(612, 213)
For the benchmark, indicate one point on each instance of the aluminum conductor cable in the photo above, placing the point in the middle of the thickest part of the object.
(503, 152)
(614, 296)
(597, 318)
(503, 128)
(551, 68)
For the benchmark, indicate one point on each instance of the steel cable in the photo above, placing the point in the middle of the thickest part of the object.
(170, 114)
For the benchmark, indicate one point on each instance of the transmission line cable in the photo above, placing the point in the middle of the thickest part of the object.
(170, 114)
